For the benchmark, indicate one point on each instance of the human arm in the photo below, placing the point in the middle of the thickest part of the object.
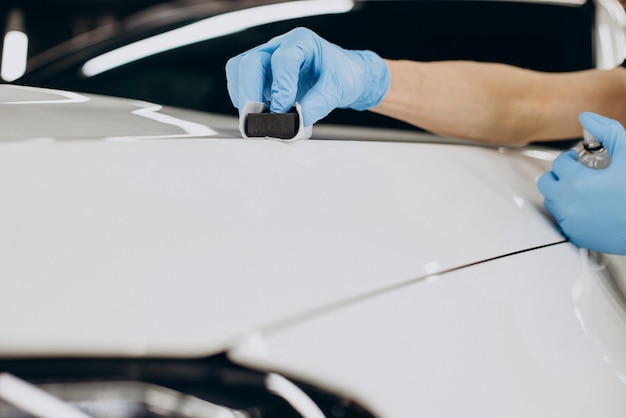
(500, 103)
(486, 102)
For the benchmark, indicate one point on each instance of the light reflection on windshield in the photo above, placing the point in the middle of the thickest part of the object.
(210, 28)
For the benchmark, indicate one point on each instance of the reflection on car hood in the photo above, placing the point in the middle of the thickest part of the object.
(37, 114)
(181, 246)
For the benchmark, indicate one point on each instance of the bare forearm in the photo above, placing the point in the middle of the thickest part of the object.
(499, 103)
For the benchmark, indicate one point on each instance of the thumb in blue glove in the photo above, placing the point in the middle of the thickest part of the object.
(590, 205)
(301, 66)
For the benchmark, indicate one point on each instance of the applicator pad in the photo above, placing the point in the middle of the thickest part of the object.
(256, 121)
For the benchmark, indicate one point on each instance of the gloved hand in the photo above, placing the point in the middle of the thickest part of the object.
(300, 66)
(590, 205)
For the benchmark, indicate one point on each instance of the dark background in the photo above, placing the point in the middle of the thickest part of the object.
(49, 22)
(539, 36)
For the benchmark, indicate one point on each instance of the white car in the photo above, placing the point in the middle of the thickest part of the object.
(156, 264)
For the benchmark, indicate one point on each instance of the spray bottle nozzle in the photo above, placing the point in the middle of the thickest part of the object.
(592, 154)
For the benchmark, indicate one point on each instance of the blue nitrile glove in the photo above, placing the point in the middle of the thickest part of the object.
(300, 66)
(588, 204)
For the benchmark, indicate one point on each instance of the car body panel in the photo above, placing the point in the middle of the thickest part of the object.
(497, 339)
(63, 115)
(415, 274)
(163, 246)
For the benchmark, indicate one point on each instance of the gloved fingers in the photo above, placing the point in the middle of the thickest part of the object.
(608, 131)
(566, 166)
(232, 79)
(248, 73)
(232, 73)
(287, 62)
(253, 73)
(555, 210)
(548, 184)
(320, 100)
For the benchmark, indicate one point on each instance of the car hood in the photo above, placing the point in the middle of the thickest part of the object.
(152, 233)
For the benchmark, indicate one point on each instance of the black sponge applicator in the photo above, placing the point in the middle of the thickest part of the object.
(275, 125)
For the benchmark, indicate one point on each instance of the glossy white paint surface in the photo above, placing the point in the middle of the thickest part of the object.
(346, 263)
(28, 113)
(498, 339)
(601, 308)
(183, 246)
